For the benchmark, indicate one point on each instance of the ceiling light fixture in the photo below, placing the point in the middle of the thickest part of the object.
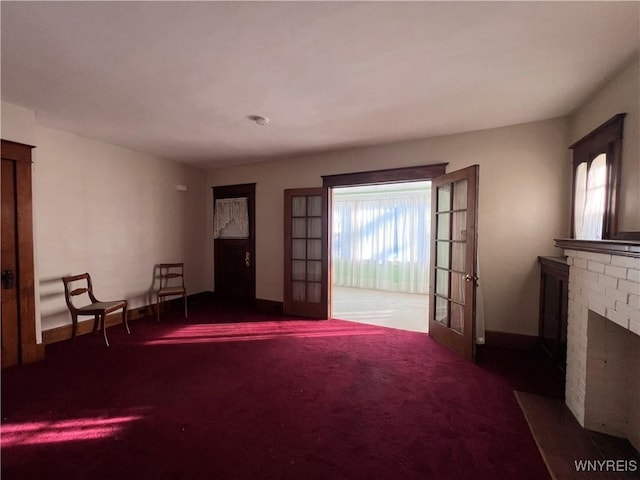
(260, 120)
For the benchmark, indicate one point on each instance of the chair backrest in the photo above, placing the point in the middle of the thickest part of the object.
(70, 293)
(169, 272)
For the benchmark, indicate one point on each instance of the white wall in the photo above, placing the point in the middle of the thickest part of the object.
(114, 213)
(18, 124)
(522, 206)
(620, 95)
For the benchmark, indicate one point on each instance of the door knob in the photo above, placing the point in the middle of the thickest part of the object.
(470, 278)
(247, 259)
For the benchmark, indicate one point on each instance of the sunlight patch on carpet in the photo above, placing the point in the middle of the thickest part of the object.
(238, 332)
(55, 431)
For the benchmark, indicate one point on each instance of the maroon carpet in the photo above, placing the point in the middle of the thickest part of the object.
(264, 399)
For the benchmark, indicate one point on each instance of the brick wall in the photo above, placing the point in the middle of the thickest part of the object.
(603, 343)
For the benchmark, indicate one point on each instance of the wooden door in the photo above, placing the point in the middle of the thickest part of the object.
(235, 277)
(306, 252)
(18, 341)
(453, 260)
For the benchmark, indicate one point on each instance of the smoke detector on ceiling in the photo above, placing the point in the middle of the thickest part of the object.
(259, 119)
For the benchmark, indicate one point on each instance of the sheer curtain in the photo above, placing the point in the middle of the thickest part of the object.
(381, 238)
(590, 198)
(231, 218)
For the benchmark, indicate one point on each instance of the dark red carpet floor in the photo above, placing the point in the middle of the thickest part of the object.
(210, 398)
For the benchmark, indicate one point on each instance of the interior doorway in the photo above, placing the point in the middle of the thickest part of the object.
(380, 246)
(234, 243)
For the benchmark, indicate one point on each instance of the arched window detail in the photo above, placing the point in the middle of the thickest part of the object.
(596, 178)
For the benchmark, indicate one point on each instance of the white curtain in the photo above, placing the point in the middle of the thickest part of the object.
(590, 198)
(231, 218)
(381, 240)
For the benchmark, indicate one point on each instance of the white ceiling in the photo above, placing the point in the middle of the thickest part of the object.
(178, 79)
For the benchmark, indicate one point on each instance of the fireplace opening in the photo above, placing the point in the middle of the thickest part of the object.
(612, 380)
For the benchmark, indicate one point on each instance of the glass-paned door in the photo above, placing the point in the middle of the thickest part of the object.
(453, 260)
(306, 269)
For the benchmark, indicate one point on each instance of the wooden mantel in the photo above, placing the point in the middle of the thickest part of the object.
(612, 247)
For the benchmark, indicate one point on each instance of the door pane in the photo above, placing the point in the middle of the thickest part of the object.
(299, 228)
(441, 314)
(298, 291)
(314, 249)
(314, 271)
(458, 256)
(314, 206)
(298, 250)
(442, 259)
(457, 287)
(297, 270)
(299, 206)
(457, 317)
(459, 230)
(460, 195)
(442, 282)
(315, 228)
(443, 224)
(444, 198)
(314, 292)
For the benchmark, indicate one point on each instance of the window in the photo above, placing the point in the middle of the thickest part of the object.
(596, 178)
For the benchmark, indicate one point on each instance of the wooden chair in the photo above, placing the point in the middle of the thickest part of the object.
(171, 284)
(99, 310)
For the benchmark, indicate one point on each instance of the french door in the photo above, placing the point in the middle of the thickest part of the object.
(306, 252)
(453, 260)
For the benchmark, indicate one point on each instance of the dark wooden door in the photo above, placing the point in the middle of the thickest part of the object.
(453, 260)
(235, 277)
(18, 340)
(10, 317)
(306, 252)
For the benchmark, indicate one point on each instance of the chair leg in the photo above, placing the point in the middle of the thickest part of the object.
(104, 328)
(158, 308)
(124, 318)
(95, 323)
(185, 306)
(74, 328)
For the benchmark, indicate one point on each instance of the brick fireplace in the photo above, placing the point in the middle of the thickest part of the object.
(603, 336)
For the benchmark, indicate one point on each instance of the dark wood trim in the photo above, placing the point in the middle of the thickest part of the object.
(510, 340)
(628, 236)
(269, 306)
(557, 265)
(405, 174)
(232, 191)
(64, 332)
(18, 152)
(26, 268)
(606, 133)
(610, 247)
